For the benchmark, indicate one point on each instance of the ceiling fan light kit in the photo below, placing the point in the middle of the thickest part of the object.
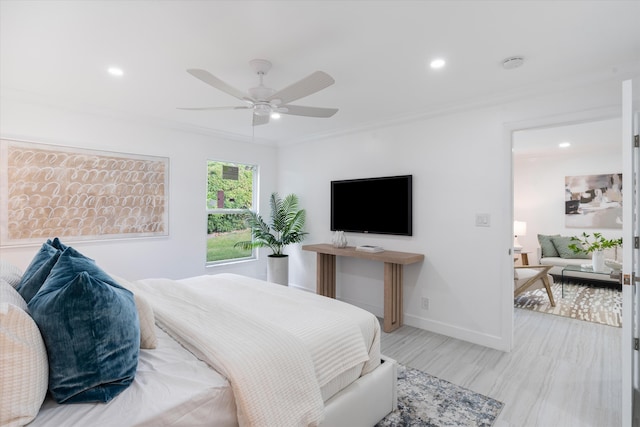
(267, 102)
(262, 109)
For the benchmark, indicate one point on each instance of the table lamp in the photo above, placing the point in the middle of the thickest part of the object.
(519, 229)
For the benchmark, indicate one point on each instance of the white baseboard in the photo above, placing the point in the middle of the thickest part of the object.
(474, 337)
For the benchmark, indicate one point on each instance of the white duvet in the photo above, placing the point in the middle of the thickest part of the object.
(172, 388)
(277, 346)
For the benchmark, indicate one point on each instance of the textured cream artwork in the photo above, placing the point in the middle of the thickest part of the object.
(48, 191)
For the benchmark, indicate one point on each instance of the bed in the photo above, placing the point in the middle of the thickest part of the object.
(232, 350)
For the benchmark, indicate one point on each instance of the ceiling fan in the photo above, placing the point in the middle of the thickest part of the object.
(266, 102)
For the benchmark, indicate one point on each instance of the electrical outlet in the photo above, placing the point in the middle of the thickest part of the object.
(425, 303)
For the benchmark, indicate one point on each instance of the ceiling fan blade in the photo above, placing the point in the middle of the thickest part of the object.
(260, 119)
(310, 84)
(299, 110)
(212, 80)
(242, 107)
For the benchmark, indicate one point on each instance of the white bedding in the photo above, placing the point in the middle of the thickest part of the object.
(303, 341)
(172, 388)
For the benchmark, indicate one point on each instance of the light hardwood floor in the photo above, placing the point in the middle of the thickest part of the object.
(562, 372)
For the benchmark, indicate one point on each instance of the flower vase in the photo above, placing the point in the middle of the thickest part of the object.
(339, 239)
(597, 259)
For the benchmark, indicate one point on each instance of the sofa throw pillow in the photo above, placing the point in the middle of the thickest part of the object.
(37, 271)
(546, 245)
(90, 327)
(23, 367)
(10, 273)
(562, 246)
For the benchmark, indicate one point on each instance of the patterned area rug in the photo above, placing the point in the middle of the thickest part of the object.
(427, 401)
(581, 301)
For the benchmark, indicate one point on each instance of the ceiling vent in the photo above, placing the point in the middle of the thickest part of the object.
(512, 62)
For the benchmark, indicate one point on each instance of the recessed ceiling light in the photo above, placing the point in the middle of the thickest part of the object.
(437, 63)
(115, 71)
(564, 144)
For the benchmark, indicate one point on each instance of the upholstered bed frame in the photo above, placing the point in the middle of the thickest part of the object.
(366, 401)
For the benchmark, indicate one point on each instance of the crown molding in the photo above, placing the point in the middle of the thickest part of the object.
(619, 73)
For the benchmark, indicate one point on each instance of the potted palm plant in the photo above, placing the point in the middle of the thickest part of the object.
(284, 228)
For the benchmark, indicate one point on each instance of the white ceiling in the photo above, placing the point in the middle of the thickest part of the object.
(584, 138)
(58, 52)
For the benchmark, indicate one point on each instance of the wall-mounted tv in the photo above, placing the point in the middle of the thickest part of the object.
(381, 205)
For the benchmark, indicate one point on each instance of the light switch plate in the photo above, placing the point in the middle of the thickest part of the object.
(483, 220)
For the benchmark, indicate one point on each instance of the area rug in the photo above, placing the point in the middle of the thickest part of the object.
(427, 401)
(581, 301)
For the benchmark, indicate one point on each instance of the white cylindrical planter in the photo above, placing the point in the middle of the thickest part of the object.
(597, 258)
(278, 269)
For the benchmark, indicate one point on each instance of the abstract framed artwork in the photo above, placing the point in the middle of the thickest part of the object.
(80, 194)
(593, 201)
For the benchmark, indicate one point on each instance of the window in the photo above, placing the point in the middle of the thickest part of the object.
(231, 188)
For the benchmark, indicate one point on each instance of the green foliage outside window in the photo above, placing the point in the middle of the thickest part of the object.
(238, 194)
(226, 220)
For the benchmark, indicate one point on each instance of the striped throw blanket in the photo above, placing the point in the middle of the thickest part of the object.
(276, 351)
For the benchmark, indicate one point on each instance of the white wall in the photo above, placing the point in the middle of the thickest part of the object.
(461, 166)
(451, 183)
(182, 253)
(539, 192)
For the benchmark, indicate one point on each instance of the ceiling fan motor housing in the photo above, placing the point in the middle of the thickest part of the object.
(261, 93)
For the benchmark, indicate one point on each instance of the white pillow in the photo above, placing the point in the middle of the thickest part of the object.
(10, 273)
(148, 338)
(24, 369)
(9, 295)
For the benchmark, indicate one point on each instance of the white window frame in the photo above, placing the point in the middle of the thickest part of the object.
(213, 211)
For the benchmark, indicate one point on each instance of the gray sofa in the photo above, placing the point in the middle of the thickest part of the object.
(554, 251)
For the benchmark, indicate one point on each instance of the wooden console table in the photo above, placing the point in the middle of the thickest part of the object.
(393, 267)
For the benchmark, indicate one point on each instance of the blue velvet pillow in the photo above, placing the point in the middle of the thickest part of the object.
(56, 243)
(37, 271)
(91, 330)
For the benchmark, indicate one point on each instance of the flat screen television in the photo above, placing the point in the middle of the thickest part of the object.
(381, 205)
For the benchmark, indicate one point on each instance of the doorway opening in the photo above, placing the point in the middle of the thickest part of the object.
(567, 183)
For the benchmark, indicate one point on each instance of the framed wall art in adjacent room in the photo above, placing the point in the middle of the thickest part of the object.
(593, 201)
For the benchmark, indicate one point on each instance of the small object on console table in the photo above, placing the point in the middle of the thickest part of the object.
(369, 248)
(393, 268)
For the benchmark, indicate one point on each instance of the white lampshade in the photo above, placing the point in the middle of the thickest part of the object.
(519, 229)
